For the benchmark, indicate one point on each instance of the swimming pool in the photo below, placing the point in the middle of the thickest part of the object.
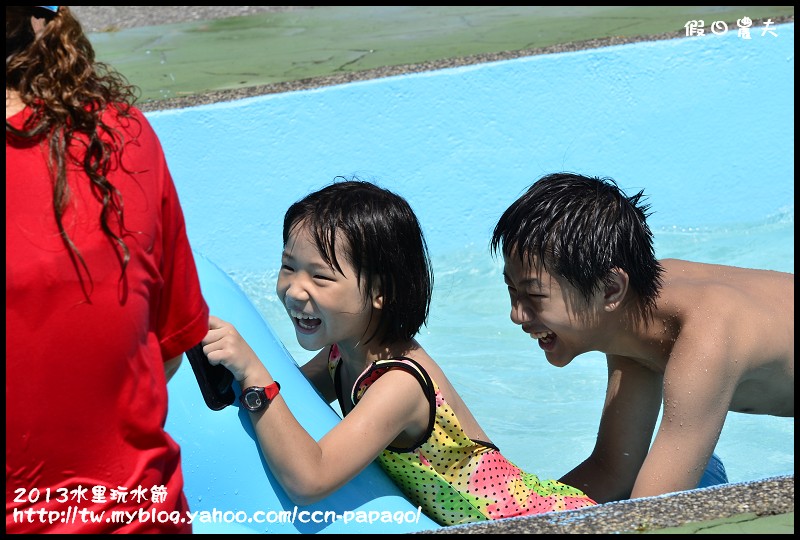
(704, 125)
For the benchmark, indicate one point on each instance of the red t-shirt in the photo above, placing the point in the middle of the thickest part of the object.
(86, 398)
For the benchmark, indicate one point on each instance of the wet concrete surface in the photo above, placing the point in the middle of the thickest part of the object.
(115, 18)
(184, 56)
(120, 32)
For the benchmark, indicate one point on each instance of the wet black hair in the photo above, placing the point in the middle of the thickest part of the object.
(384, 244)
(581, 228)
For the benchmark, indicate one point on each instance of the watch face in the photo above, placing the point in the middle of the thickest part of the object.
(253, 400)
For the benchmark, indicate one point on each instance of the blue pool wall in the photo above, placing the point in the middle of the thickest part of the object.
(705, 125)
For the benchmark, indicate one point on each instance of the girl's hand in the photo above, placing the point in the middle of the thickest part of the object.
(223, 345)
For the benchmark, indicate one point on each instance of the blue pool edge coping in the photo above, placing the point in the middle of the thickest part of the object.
(750, 500)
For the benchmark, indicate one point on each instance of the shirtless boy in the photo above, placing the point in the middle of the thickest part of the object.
(703, 339)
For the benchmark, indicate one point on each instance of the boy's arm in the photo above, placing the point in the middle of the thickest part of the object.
(633, 399)
(697, 392)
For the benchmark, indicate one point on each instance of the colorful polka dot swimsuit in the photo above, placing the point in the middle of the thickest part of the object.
(453, 478)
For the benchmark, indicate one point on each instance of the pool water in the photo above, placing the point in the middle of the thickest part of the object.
(543, 418)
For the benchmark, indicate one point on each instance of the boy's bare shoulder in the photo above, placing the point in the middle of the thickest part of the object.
(705, 300)
(679, 271)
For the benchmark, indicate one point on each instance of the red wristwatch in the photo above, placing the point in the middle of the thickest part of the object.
(256, 398)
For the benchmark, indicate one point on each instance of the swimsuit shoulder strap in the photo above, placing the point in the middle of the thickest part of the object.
(379, 367)
(334, 363)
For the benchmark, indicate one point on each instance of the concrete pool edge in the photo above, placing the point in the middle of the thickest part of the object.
(402, 69)
(710, 509)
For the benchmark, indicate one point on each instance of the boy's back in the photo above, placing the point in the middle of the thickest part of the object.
(744, 320)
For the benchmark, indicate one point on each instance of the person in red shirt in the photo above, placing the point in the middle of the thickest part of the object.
(102, 293)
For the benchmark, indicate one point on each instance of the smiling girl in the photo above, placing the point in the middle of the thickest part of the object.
(356, 282)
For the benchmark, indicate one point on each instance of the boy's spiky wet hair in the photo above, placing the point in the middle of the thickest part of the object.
(581, 228)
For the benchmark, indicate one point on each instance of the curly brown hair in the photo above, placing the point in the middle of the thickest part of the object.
(55, 73)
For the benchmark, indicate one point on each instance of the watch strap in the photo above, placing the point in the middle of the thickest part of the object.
(271, 390)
